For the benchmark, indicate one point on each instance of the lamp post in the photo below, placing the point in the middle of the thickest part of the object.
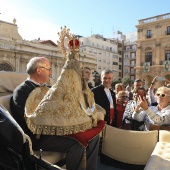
(96, 77)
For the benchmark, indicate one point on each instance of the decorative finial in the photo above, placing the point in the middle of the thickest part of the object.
(14, 21)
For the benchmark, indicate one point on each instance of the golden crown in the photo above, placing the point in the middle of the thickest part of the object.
(73, 42)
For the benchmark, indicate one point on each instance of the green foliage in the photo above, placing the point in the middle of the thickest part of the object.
(115, 81)
(127, 81)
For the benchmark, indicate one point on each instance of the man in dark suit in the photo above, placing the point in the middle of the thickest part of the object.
(105, 97)
(87, 74)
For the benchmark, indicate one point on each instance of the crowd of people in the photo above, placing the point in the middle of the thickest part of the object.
(125, 108)
(133, 109)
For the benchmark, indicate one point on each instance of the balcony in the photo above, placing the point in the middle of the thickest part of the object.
(167, 33)
(148, 36)
(155, 18)
(133, 57)
(129, 50)
(132, 65)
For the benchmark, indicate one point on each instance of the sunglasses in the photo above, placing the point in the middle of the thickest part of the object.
(162, 95)
(125, 96)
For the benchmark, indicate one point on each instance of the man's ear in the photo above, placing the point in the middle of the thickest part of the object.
(38, 70)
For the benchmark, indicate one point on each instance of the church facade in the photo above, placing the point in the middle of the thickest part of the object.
(15, 52)
(153, 48)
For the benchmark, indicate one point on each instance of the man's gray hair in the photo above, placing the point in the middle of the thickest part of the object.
(34, 63)
(106, 71)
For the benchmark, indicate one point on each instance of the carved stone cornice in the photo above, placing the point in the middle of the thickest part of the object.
(140, 29)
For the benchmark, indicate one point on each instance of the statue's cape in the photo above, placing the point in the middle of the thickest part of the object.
(68, 107)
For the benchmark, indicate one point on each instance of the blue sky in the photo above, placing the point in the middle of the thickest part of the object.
(43, 18)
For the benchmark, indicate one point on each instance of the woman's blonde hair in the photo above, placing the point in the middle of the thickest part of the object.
(120, 94)
(122, 87)
(164, 88)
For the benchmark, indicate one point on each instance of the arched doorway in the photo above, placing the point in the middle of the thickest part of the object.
(6, 67)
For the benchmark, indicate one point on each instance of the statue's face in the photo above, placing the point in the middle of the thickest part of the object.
(107, 79)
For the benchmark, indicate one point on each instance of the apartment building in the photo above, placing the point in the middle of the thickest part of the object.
(153, 48)
(129, 60)
(104, 51)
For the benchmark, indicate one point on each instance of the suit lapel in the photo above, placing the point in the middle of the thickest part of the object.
(103, 93)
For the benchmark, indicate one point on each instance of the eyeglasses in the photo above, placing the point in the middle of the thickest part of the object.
(162, 95)
(125, 96)
(49, 69)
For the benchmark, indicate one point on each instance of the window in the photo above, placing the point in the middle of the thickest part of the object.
(90, 50)
(92, 44)
(99, 60)
(149, 34)
(132, 70)
(99, 67)
(133, 55)
(126, 56)
(115, 56)
(126, 71)
(5, 67)
(148, 57)
(126, 63)
(132, 63)
(120, 67)
(168, 30)
(167, 55)
(127, 48)
(115, 63)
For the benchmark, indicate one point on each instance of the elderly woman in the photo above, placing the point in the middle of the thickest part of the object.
(128, 121)
(159, 114)
(121, 102)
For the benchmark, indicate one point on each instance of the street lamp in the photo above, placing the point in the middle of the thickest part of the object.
(96, 77)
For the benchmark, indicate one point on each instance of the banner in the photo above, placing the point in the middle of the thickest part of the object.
(146, 67)
(166, 66)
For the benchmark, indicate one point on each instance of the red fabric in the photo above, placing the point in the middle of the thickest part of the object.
(88, 135)
(111, 115)
(120, 111)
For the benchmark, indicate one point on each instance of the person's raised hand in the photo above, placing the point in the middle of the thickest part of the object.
(143, 102)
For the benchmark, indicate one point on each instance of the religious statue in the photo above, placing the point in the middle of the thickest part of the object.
(68, 107)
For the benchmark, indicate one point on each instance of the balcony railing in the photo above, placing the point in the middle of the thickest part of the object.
(167, 33)
(148, 36)
(155, 18)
